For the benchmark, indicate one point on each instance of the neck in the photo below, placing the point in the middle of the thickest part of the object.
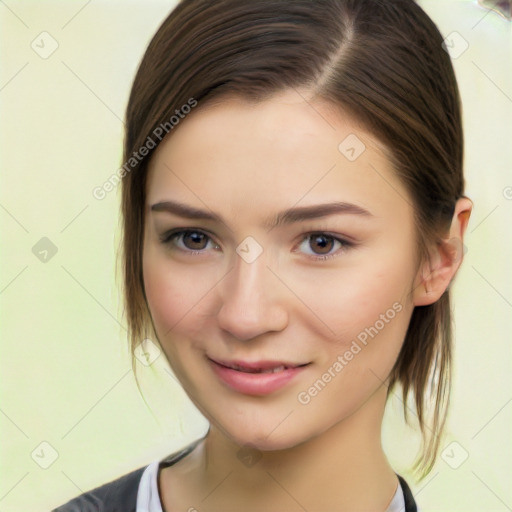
(331, 471)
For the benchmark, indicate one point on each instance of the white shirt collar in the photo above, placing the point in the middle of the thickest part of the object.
(148, 499)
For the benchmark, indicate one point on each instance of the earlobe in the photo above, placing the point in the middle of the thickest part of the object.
(436, 274)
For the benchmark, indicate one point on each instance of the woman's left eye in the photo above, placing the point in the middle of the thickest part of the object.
(323, 246)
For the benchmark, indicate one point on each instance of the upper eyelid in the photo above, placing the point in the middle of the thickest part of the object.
(177, 231)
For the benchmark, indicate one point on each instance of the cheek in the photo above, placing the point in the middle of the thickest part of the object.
(368, 309)
(165, 297)
(349, 300)
(168, 295)
(178, 296)
(370, 334)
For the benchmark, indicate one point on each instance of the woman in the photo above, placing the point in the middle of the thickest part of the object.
(293, 216)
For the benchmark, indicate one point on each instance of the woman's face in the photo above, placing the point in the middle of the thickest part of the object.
(277, 235)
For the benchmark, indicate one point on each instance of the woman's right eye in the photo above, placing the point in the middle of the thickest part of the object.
(191, 241)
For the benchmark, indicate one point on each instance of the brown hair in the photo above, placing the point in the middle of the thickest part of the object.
(382, 62)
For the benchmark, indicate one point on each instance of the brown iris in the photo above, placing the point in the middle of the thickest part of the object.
(195, 240)
(323, 242)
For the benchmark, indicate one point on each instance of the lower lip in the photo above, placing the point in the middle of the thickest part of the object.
(255, 383)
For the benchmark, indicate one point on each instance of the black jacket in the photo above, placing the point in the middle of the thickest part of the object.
(121, 495)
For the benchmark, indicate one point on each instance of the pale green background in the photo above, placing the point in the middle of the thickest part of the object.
(65, 370)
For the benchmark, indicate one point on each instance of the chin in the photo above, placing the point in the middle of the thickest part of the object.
(259, 438)
(266, 445)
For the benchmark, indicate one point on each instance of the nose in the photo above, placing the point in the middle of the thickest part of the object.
(252, 300)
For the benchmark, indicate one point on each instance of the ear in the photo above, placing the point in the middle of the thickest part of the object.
(435, 275)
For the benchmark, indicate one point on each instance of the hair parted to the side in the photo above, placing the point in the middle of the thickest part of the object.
(382, 62)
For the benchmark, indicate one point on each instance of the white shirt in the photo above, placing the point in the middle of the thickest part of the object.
(148, 499)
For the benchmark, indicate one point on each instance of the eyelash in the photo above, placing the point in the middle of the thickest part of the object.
(167, 239)
(345, 245)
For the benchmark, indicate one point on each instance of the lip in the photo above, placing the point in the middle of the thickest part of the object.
(247, 377)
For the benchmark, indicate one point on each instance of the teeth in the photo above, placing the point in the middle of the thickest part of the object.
(274, 370)
(252, 370)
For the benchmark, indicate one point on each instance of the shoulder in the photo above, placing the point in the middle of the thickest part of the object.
(119, 494)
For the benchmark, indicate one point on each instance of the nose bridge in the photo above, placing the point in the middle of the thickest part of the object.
(247, 284)
(250, 301)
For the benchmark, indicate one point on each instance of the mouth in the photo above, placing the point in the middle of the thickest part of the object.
(256, 377)
(259, 366)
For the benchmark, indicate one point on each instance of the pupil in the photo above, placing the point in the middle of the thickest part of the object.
(324, 243)
(194, 238)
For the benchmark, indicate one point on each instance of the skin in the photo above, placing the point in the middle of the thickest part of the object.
(246, 163)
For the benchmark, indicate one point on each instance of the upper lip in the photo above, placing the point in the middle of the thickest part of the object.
(256, 365)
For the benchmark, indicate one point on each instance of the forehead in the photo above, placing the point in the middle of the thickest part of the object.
(272, 154)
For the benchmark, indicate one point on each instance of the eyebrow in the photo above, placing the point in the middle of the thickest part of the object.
(289, 216)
